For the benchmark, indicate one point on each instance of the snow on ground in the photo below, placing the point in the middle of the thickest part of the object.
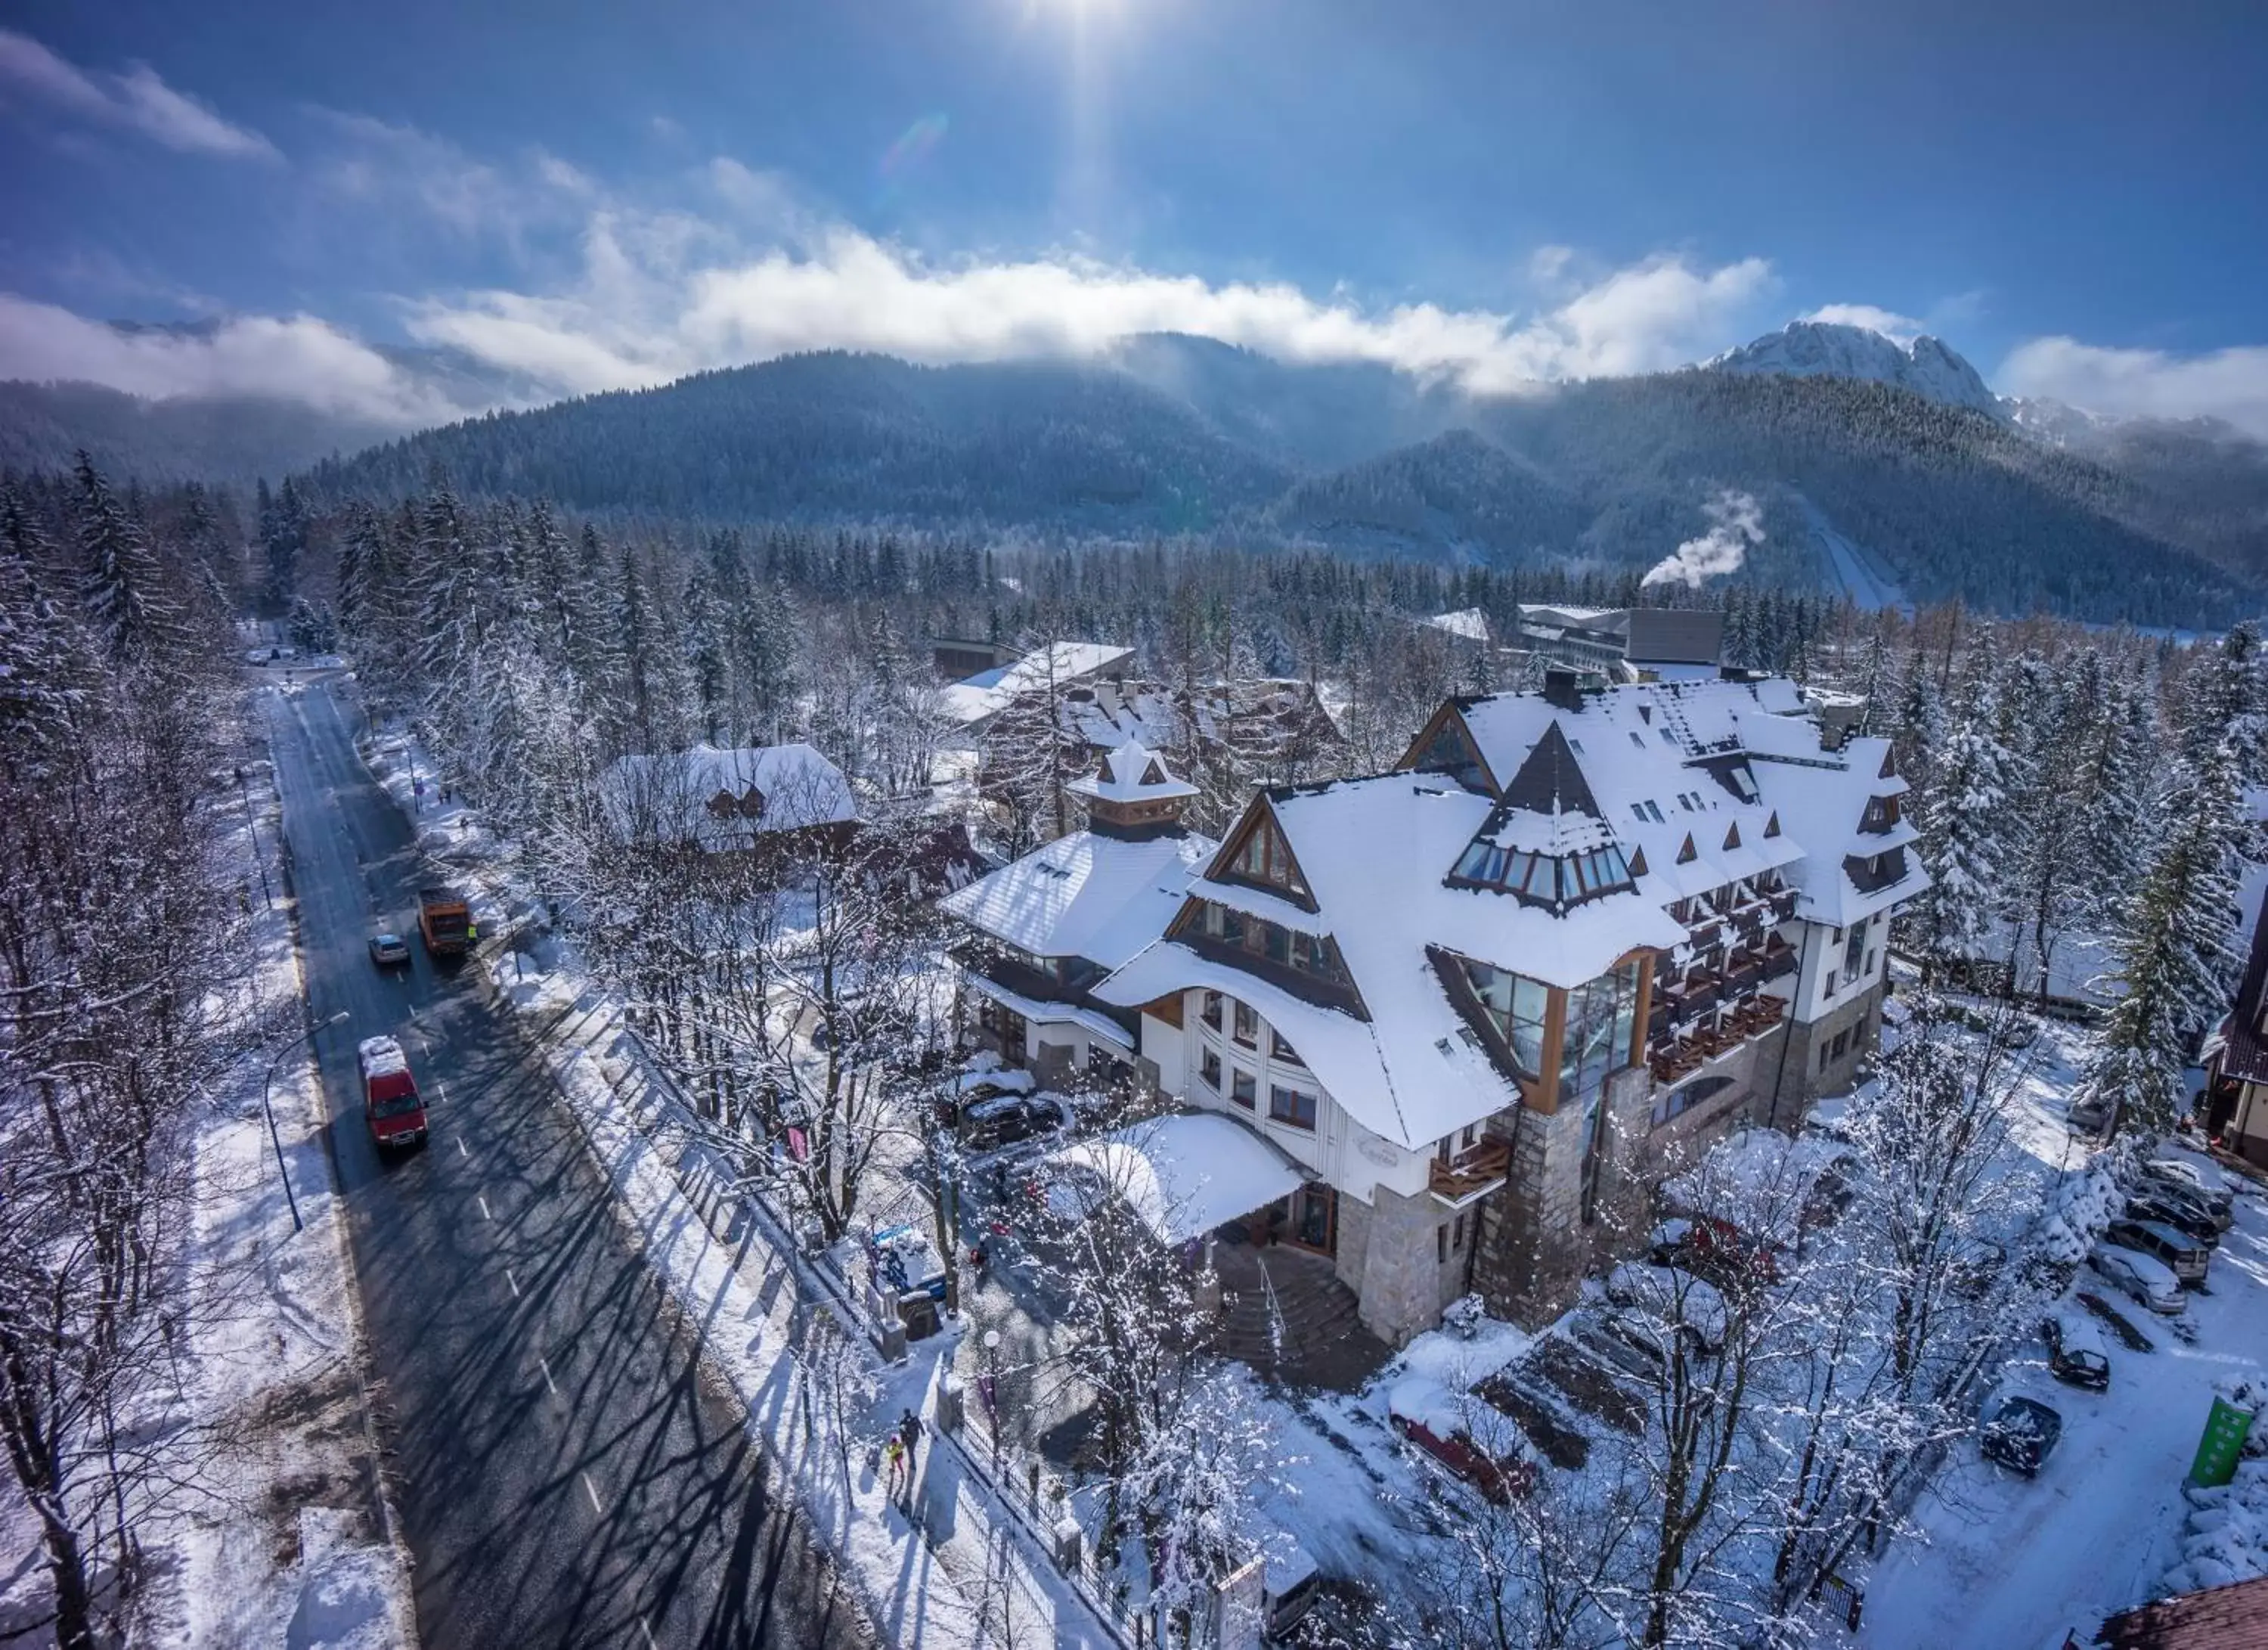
(285, 1540)
(2010, 1564)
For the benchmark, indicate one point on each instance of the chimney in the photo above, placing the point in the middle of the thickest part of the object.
(1560, 689)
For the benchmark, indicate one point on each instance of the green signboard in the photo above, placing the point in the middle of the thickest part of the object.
(2223, 1441)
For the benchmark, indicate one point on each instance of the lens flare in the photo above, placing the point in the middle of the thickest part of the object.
(914, 145)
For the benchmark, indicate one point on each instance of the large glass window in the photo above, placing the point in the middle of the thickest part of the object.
(1598, 1037)
(1854, 951)
(1247, 1025)
(1245, 1088)
(1516, 1005)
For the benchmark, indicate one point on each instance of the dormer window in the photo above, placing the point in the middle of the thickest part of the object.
(1265, 858)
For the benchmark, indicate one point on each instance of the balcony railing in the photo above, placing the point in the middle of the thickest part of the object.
(1679, 1057)
(1783, 904)
(1476, 1169)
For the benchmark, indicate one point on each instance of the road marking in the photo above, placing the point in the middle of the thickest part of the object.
(547, 1380)
(591, 1490)
(483, 1202)
(460, 1147)
(513, 1281)
(648, 1631)
(442, 1089)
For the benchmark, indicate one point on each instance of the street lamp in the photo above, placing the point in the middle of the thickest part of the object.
(267, 1084)
(992, 1393)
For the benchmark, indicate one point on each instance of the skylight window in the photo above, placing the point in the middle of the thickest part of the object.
(1668, 738)
(1638, 738)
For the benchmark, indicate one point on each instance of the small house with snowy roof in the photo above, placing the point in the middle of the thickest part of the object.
(771, 797)
(1045, 929)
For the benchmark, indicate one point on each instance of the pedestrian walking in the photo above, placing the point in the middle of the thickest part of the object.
(893, 1453)
(909, 1429)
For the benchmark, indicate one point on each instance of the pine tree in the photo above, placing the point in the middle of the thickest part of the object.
(124, 585)
(705, 657)
(1965, 832)
(2175, 953)
(44, 676)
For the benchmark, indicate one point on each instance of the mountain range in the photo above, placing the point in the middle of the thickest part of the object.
(1887, 470)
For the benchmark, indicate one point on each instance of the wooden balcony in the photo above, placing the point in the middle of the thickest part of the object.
(1783, 905)
(1780, 959)
(1476, 1169)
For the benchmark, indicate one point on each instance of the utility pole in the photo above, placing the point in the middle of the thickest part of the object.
(267, 1090)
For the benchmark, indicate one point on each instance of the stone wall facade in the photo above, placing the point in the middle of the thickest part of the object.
(1802, 1079)
(1534, 1245)
(1391, 1253)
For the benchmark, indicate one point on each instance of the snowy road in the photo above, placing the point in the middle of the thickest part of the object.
(565, 1475)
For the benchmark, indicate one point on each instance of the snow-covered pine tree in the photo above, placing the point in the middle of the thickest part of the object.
(123, 586)
(2174, 953)
(44, 676)
(706, 660)
(1965, 833)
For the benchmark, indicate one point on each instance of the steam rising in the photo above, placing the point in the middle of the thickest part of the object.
(1736, 522)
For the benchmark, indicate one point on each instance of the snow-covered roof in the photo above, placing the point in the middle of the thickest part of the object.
(1131, 772)
(381, 1057)
(982, 693)
(1042, 1013)
(675, 796)
(1411, 1072)
(1694, 785)
(1086, 894)
(1183, 1174)
(1470, 622)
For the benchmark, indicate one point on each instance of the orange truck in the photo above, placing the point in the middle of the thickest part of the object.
(390, 1104)
(446, 921)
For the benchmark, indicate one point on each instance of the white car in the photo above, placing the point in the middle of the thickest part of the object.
(2149, 1281)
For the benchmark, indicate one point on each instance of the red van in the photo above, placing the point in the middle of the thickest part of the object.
(389, 1095)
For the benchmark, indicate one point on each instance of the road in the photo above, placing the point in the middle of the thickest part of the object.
(565, 1473)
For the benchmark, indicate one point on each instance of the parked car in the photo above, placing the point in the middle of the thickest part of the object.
(389, 951)
(1716, 1249)
(1669, 1296)
(2076, 1355)
(1499, 1477)
(2178, 1252)
(2136, 1274)
(2202, 1181)
(1006, 1119)
(2021, 1434)
(1632, 1346)
(970, 1089)
(2154, 1200)
(2093, 1115)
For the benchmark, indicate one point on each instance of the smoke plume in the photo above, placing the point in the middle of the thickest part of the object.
(1736, 522)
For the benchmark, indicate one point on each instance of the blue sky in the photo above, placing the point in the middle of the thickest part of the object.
(2070, 193)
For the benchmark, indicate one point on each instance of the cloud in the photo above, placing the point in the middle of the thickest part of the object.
(294, 358)
(655, 301)
(1736, 522)
(1902, 328)
(138, 101)
(2230, 383)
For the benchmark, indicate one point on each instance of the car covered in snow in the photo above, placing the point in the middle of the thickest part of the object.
(2020, 1434)
(1007, 1119)
(1716, 1249)
(2204, 1181)
(2175, 1250)
(2136, 1275)
(1672, 1298)
(1430, 1426)
(2092, 1113)
(2076, 1355)
(969, 1089)
(2169, 1205)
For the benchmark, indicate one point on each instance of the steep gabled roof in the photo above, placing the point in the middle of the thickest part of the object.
(1131, 772)
(1087, 895)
